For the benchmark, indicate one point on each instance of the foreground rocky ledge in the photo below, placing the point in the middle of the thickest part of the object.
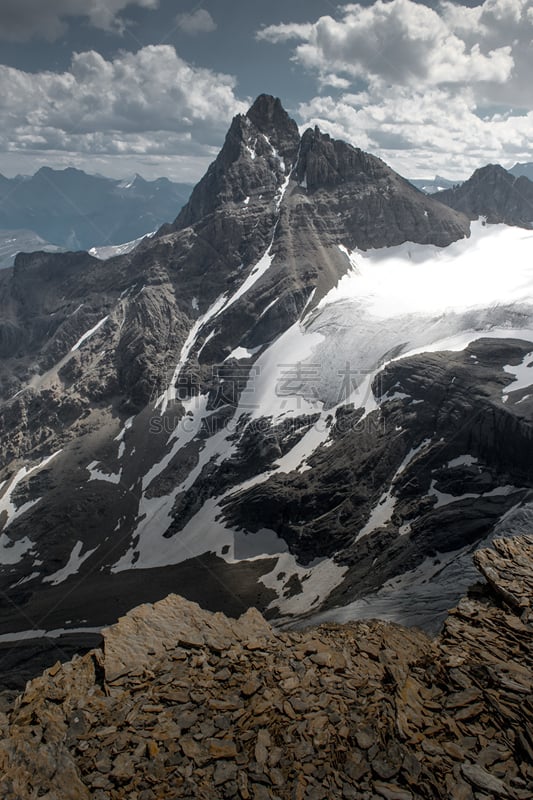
(185, 703)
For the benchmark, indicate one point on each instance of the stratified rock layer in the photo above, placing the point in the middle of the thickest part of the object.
(185, 703)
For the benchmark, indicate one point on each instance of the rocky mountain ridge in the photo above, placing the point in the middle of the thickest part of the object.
(280, 400)
(180, 702)
(494, 193)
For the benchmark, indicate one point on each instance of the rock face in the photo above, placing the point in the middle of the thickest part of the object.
(184, 703)
(378, 208)
(494, 193)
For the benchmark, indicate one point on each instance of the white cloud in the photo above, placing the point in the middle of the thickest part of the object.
(432, 88)
(149, 103)
(199, 21)
(423, 133)
(21, 20)
(285, 32)
(396, 42)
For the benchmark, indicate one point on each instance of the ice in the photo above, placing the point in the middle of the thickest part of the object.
(222, 304)
(295, 459)
(432, 299)
(188, 427)
(269, 306)
(88, 334)
(276, 387)
(206, 340)
(27, 579)
(203, 534)
(493, 266)
(110, 251)
(120, 438)
(253, 276)
(72, 567)
(127, 425)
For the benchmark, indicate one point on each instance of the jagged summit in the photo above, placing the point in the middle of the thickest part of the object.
(269, 116)
(258, 154)
(325, 162)
(367, 203)
(494, 193)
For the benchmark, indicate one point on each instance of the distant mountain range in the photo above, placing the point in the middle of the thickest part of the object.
(432, 185)
(439, 184)
(71, 210)
(523, 169)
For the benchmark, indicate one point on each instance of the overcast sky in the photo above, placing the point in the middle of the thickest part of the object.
(150, 86)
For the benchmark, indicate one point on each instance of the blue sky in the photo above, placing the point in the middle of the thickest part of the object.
(150, 86)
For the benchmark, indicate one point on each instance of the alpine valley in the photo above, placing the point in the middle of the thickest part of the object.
(311, 393)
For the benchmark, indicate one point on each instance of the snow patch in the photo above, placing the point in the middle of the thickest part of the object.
(444, 499)
(98, 475)
(88, 334)
(242, 352)
(462, 461)
(523, 375)
(21, 636)
(384, 509)
(11, 551)
(6, 503)
(72, 567)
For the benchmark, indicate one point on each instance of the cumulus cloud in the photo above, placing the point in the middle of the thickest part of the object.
(395, 42)
(21, 20)
(447, 85)
(424, 133)
(147, 103)
(199, 21)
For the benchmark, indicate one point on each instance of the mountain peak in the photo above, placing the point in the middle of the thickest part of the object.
(271, 119)
(259, 152)
(494, 193)
(492, 171)
(325, 162)
(268, 114)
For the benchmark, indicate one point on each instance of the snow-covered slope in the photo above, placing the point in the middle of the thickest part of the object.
(110, 251)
